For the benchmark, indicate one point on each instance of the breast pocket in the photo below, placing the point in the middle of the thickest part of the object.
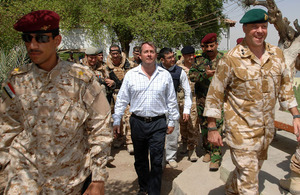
(246, 84)
(274, 80)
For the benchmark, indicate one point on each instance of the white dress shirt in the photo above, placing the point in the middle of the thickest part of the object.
(184, 83)
(147, 97)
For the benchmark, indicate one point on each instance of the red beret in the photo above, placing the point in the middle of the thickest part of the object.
(209, 38)
(38, 21)
(239, 40)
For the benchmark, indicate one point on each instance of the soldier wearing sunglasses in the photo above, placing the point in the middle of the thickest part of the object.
(54, 118)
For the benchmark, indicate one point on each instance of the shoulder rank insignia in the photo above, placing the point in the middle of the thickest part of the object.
(9, 90)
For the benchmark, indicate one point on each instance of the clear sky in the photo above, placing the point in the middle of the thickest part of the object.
(289, 9)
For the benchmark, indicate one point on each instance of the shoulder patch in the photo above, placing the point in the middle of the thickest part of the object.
(81, 72)
(9, 90)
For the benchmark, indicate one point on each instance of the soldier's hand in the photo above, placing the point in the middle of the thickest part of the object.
(209, 72)
(95, 188)
(296, 122)
(170, 130)
(185, 117)
(215, 138)
(109, 82)
(116, 130)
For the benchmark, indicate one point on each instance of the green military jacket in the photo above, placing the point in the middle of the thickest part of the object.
(197, 73)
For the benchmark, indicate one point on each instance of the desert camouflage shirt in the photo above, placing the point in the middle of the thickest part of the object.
(57, 123)
(251, 87)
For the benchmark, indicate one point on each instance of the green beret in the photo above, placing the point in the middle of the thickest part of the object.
(91, 51)
(255, 16)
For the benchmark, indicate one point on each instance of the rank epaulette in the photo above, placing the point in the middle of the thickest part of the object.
(81, 72)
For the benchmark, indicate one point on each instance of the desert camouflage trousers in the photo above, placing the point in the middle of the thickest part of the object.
(214, 151)
(295, 161)
(243, 180)
(124, 125)
(190, 130)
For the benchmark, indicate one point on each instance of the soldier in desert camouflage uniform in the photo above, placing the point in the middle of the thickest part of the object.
(292, 184)
(201, 73)
(248, 80)
(54, 118)
(118, 65)
(189, 130)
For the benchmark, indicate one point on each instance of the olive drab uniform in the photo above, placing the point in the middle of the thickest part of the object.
(249, 88)
(198, 75)
(54, 129)
(189, 131)
(117, 74)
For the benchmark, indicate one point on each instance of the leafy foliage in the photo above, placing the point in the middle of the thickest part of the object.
(169, 23)
(12, 59)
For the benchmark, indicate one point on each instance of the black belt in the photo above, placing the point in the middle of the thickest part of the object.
(148, 119)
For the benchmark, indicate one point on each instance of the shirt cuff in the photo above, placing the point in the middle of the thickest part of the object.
(116, 119)
(171, 123)
(186, 111)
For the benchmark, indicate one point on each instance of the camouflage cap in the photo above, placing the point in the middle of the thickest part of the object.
(91, 51)
(255, 16)
(38, 21)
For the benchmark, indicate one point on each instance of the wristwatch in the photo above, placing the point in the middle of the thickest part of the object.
(296, 116)
(214, 128)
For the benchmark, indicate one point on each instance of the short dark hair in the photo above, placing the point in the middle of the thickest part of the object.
(164, 51)
(148, 43)
(114, 45)
(137, 48)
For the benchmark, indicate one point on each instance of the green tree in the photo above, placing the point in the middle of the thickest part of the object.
(166, 22)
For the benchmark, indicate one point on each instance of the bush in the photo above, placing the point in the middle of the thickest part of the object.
(12, 59)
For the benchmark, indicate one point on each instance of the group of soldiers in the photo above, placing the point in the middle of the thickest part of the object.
(191, 87)
(55, 116)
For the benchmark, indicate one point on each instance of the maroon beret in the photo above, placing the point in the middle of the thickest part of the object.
(209, 38)
(38, 21)
(239, 40)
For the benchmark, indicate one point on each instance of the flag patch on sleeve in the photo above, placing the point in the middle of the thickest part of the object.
(9, 90)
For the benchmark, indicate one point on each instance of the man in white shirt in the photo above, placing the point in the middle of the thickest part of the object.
(149, 90)
(181, 82)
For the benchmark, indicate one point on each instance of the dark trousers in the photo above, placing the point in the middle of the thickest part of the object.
(148, 137)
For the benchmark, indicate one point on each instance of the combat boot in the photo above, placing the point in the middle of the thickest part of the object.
(214, 166)
(291, 184)
(206, 158)
(192, 155)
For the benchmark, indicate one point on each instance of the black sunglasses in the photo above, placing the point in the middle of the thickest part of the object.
(40, 38)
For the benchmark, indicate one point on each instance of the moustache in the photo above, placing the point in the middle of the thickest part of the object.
(34, 50)
(209, 51)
